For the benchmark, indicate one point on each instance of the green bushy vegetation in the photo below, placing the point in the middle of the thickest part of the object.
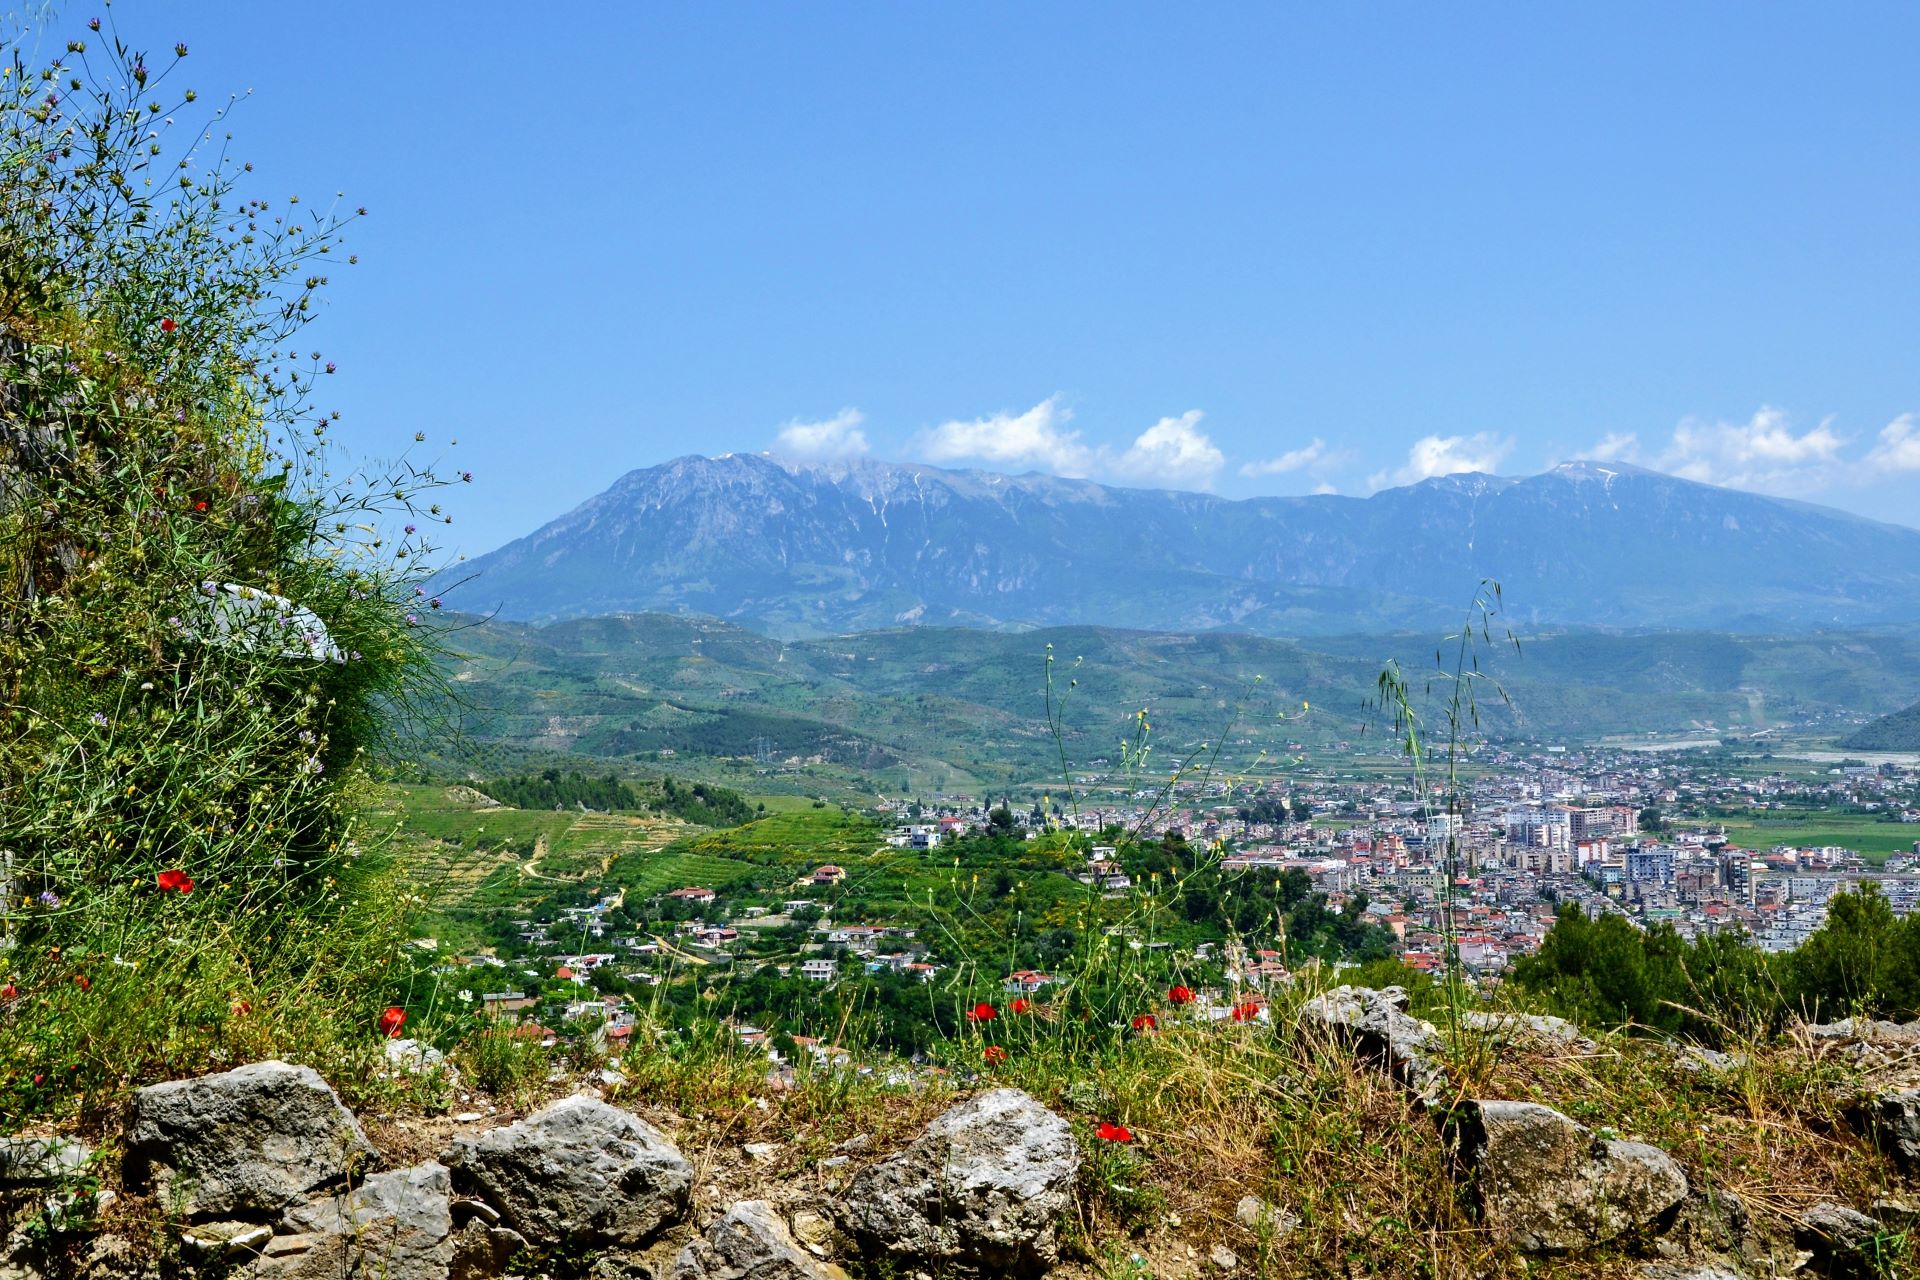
(204, 631)
(700, 803)
(1864, 961)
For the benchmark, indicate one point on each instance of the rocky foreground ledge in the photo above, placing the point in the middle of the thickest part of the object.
(261, 1173)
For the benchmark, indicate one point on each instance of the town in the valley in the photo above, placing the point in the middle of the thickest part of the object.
(1427, 876)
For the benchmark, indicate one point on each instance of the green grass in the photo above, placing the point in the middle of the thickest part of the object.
(1871, 838)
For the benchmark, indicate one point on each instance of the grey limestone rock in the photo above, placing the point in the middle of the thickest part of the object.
(1894, 1119)
(1549, 1185)
(30, 1161)
(1262, 1218)
(248, 1141)
(1834, 1228)
(579, 1174)
(1537, 1028)
(1378, 1025)
(393, 1226)
(482, 1250)
(749, 1242)
(983, 1189)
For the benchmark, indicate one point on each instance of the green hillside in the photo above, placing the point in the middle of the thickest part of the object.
(1897, 732)
(967, 709)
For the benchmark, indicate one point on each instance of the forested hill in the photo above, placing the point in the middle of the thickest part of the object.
(645, 684)
(1897, 732)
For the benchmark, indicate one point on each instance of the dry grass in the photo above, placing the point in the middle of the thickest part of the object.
(1219, 1112)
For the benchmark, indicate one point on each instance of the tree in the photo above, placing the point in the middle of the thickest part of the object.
(1862, 960)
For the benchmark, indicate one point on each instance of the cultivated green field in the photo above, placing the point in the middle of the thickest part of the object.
(1871, 838)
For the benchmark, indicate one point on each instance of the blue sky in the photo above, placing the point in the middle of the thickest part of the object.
(1257, 249)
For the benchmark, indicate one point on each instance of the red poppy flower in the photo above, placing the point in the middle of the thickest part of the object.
(175, 881)
(83, 982)
(1246, 1011)
(982, 1012)
(994, 1053)
(200, 505)
(1113, 1133)
(9, 992)
(1145, 1022)
(39, 1078)
(1179, 995)
(242, 1008)
(392, 1020)
(1021, 1005)
(167, 325)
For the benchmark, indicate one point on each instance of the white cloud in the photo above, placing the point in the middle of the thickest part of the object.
(838, 437)
(1898, 449)
(1763, 453)
(1291, 460)
(1173, 452)
(1615, 446)
(1035, 438)
(1445, 456)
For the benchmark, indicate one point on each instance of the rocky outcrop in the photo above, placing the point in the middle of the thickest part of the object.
(1548, 1184)
(580, 1174)
(1535, 1029)
(393, 1226)
(33, 1161)
(983, 1189)
(1894, 1120)
(1845, 1242)
(247, 1141)
(749, 1242)
(1377, 1024)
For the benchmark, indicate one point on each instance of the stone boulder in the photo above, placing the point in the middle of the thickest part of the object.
(393, 1226)
(34, 1161)
(1538, 1029)
(750, 1242)
(1845, 1243)
(1377, 1024)
(1548, 1184)
(244, 1142)
(1894, 1120)
(983, 1189)
(580, 1174)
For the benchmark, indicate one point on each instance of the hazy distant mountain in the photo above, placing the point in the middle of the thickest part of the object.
(804, 549)
(1897, 732)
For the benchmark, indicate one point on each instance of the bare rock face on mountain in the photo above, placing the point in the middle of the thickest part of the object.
(1548, 1184)
(395, 1226)
(750, 1242)
(248, 1141)
(982, 1190)
(580, 1174)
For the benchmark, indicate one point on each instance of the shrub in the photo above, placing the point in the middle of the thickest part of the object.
(204, 635)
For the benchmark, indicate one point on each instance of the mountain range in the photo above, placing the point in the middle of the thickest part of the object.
(807, 549)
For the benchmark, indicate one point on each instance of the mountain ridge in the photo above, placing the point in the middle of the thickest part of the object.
(810, 548)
